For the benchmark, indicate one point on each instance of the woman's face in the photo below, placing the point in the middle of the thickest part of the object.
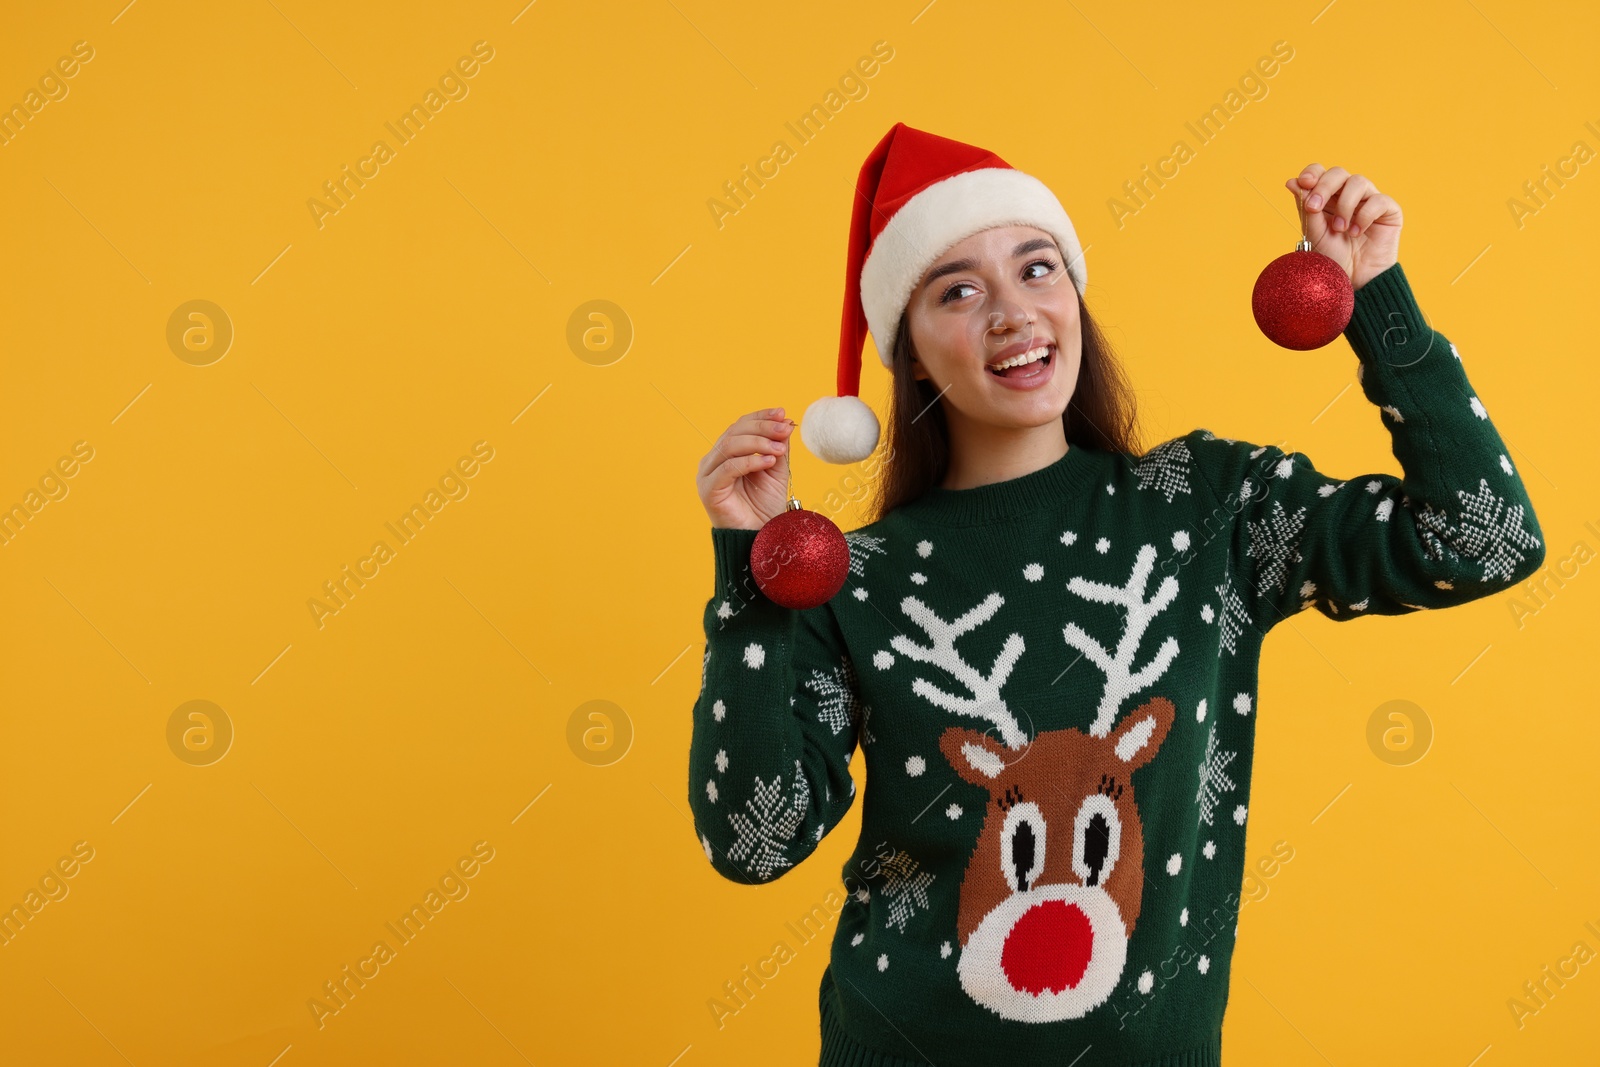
(990, 298)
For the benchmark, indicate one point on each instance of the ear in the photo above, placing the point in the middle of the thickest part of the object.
(979, 758)
(918, 371)
(1141, 733)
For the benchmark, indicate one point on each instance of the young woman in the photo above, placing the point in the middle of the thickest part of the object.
(1048, 642)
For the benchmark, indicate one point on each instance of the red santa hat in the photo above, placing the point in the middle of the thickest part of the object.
(917, 195)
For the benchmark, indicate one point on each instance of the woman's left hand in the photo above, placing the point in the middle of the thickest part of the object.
(1346, 219)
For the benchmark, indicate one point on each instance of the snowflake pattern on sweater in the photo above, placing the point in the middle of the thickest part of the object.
(1061, 672)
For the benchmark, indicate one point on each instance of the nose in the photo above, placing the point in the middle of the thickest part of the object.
(1008, 321)
(1049, 948)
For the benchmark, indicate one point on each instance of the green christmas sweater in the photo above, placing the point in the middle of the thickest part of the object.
(1053, 682)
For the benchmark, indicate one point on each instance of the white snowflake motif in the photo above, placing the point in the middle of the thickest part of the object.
(1165, 468)
(1103, 545)
(763, 835)
(919, 578)
(722, 760)
(945, 950)
(754, 656)
(711, 791)
(1505, 464)
(859, 592)
(861, 547)
(1477, 408)
(915, 765)
(883, 659)
(1174, 863)
(1147, 982)
(1067, 537)
(705, 843)
(1210, 851)
(1328, 489)
(1238, 814)
(953, 811)
(905, 888)
(924, 549)
(1033, 572)
(1385, 506)
(1490, 532)
(1274, 545)
(883, 961)
(1233, 619)
(1205, 964)
(1394, 412)
(835, 694)
(718, 710)
(1214, 780)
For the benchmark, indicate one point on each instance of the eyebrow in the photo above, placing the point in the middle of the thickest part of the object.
(1033, 244)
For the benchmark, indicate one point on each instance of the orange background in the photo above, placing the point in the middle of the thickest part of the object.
(434, 711)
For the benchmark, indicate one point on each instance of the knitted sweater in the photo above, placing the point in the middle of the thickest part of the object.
(1053, 682)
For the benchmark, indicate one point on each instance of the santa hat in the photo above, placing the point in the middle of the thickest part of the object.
(917, 195)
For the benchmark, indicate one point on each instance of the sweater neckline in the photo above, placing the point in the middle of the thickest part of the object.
(1007, 499)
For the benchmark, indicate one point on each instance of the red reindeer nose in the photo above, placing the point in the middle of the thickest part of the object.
(1049, 948)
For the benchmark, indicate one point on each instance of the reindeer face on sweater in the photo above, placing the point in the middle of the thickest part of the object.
(1052, 892)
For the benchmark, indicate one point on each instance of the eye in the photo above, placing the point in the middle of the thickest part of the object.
(947, 296)
(1096, 839)
(1049, 266)
(1022, 845)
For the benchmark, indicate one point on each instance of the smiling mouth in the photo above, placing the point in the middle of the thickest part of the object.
(1026, 365)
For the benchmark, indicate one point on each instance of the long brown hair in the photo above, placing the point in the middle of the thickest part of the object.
(1102, 414)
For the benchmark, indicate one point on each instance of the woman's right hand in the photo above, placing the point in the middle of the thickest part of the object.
(744, 479)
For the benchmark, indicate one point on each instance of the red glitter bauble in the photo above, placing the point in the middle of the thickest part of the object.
(1303, 299)
(799, 558)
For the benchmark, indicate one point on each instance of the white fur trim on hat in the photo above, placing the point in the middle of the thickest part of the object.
(945, 212)
(839, 429)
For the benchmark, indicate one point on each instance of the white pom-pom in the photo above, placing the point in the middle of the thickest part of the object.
(839, 429)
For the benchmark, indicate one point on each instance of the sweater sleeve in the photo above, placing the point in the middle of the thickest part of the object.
(775, 725)
(1457, 526)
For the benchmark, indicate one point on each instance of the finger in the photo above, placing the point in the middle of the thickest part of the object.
(1308, 176)
(768, 423)
(774, 428)
(1328, 184)
(1313, 226)
(1344, 205)
(729, 471)
(1372, 209)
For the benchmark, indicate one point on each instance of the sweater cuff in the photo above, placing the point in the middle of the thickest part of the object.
(732, 551)
(1387, 325)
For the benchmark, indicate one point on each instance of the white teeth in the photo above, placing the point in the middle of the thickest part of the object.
(1018, 361)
